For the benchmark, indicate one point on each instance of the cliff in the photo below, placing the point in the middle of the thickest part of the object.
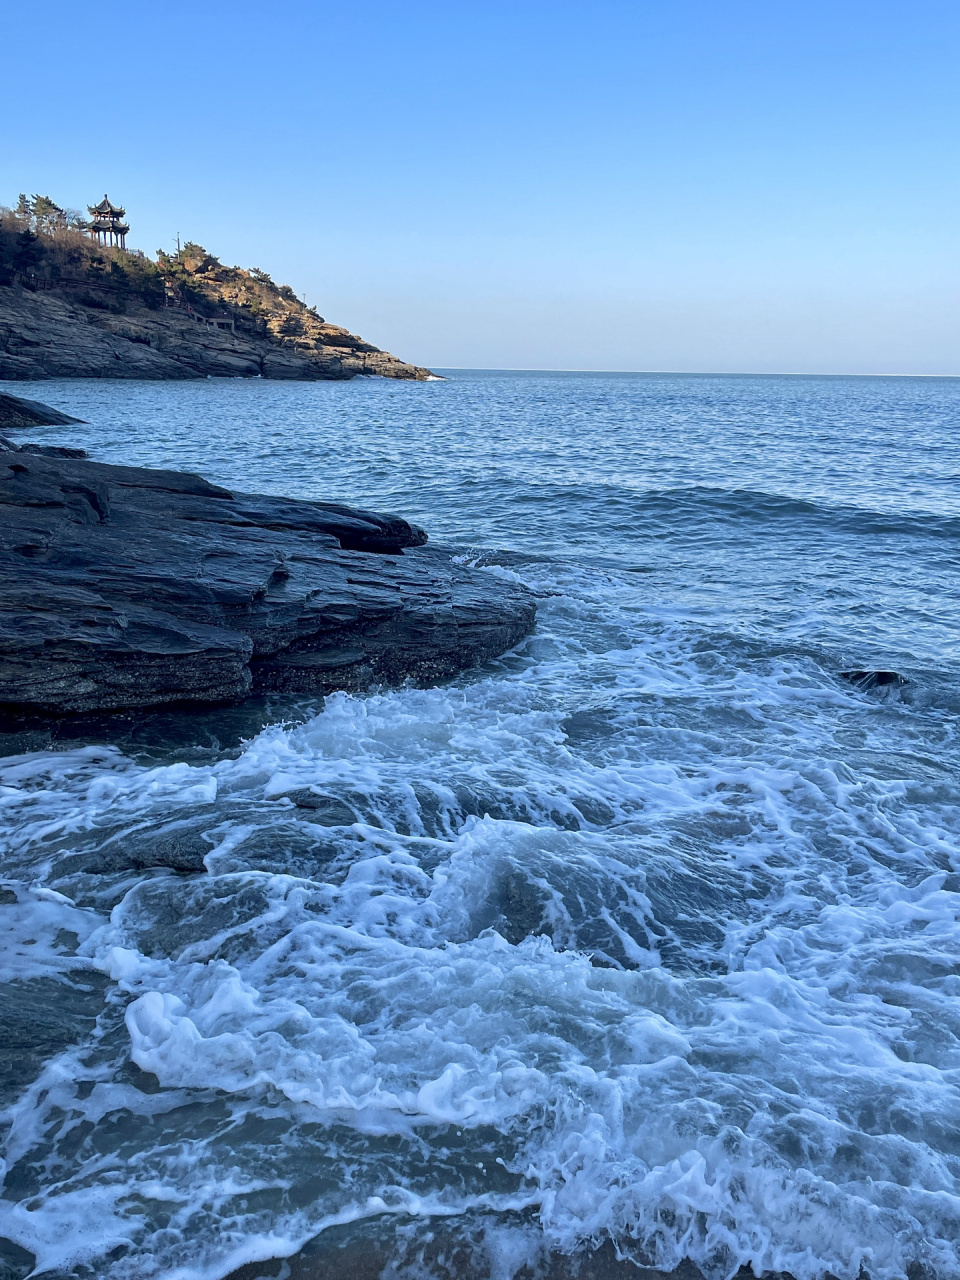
(72, 308)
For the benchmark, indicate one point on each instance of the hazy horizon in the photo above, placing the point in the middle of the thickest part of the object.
(686, 189)
(684, 373)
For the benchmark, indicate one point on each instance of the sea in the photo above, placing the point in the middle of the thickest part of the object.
(642, 946)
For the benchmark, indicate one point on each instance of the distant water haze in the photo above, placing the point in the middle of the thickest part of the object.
(773, 331)
(686, 187)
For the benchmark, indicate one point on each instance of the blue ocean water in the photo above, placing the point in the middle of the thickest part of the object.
(645, 936)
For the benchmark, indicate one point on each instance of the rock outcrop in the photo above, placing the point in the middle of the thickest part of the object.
(17, 412)
(56, 334)
(122, 587)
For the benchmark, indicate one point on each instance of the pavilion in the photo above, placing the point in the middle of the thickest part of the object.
(107, 223)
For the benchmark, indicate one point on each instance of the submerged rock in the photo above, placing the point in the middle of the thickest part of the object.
(329, 811)
(867, 680)
(123, 587)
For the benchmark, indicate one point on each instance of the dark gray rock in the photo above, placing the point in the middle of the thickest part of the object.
(122, 587)
(179, 845)
(41, 1017)
(43, 450)
(867, 680)
(17, 412)
(328, 811)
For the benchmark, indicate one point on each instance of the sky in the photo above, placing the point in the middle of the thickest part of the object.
(689, 185)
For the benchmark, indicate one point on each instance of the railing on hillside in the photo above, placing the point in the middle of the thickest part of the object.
(226, 322)
(40, 284)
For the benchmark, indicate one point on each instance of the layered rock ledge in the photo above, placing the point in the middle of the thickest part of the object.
(57, 335)
(124, 587)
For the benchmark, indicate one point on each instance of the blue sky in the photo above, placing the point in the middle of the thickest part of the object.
(724, 186)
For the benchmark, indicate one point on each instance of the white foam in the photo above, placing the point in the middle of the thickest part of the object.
(683, 975)
(39, 935)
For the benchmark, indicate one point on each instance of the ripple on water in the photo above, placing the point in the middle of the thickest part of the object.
(637, 944)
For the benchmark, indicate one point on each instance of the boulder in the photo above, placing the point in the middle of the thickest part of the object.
(125, 587)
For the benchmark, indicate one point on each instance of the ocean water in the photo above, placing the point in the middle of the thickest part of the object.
(640, 944)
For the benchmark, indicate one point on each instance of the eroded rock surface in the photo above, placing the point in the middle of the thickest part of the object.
(55, 335)
(122, 587)
(17, 412)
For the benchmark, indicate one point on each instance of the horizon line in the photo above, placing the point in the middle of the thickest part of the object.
(685, 373)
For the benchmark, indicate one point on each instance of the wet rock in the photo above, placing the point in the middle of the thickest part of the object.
(41, 1017)
(42, 450)
(328, 811)
(123, 588)
(521, 906)
(177, 846)
(866, 680)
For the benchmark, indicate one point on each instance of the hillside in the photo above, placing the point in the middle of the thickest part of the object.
(70, 307)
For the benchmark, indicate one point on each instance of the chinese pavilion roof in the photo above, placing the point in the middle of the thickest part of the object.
(105, 209)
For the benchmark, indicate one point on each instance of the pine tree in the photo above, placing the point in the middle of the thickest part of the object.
(47, 216)
(28, 252)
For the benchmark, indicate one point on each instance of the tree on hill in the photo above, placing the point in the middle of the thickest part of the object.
(42, 243)
(43, 215)
(48, 217)
(27, 252)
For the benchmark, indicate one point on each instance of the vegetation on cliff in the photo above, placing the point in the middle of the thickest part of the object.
(42, 245)
(199, 279)
(44, 249)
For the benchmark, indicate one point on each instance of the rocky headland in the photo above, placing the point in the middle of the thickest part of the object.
(71, 308)
(127, 588)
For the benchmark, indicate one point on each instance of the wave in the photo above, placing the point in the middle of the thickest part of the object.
(614, 509)
(624, 941)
